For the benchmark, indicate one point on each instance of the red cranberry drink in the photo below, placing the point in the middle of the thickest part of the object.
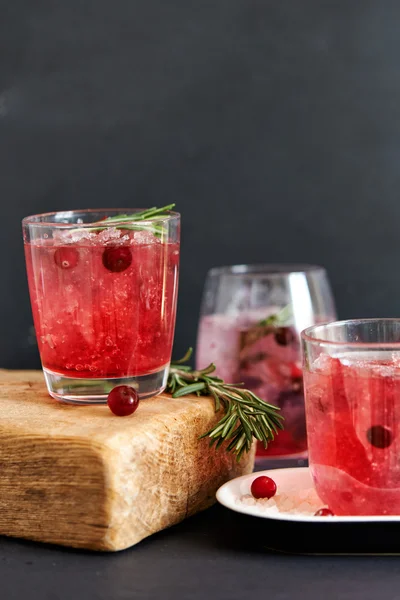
(103, 298)
(353, 415)
(265, 356)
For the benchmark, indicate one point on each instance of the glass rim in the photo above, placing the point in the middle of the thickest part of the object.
(34, 219)
(306, 334)
(270, 269)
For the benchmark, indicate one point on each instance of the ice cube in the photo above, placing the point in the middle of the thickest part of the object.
(73, 236)
(108, 235)
(145, 238)
(322, 363)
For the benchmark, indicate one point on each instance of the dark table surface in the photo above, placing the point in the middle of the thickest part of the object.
(208, 556)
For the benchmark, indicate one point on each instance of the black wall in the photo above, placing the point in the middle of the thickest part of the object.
(274, 126)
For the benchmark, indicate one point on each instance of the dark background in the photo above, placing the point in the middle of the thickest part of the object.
(274, 126)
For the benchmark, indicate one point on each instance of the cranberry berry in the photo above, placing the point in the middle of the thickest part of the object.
(324, 512)
(284, 336)
(123, 400)
(117, 259)
(379, 436)
(263, 487)
(66, 258)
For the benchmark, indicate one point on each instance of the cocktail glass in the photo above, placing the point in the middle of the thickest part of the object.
(251, 318)
(103, 292)
(352, 391)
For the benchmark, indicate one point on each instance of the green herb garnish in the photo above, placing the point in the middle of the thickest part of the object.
(277, 319)
(137, 221)
(246, 415)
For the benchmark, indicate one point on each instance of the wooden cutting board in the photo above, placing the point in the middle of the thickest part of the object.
(82, 477)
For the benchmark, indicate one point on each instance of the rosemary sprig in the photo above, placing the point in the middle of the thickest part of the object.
(246, 416)
(137, 221)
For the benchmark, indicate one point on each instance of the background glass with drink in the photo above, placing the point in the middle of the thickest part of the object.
(251, 318)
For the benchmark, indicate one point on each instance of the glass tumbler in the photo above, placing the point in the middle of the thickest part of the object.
(103, 293)
(251, 319)
(352, 391)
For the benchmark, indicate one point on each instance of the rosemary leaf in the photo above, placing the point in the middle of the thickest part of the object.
(180, 381)
(184, 358)
(257, 432)
(219, 443)
(245, 416)
(189, 389)
(185, 368)
(245, 423)
(216, 400)
(230, 427)
(137, 221)
(210, 369)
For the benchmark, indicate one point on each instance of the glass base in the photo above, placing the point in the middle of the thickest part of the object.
(74, 390)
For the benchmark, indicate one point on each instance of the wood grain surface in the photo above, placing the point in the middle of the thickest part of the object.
(82, 477)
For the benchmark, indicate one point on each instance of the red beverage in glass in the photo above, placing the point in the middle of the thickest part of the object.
(104, 304)
(353, 415)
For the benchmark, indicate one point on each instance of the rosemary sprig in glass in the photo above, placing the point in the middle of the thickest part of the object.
(138, 220)
(246, 416)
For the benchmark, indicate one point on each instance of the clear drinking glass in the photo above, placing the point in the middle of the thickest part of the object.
(352, 391)
(103, 297)
(251, 318)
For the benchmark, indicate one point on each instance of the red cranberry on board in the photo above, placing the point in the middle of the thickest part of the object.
(123, 400)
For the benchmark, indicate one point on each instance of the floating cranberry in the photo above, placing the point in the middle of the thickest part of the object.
(117, 259)
(123, 400)
(324, 512)
(66, 258)
(263, 487)
(379, 436)
(284, 336)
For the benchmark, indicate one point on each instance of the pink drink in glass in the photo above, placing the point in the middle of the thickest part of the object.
(267, 360)
(104, 305)
(353, 416)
